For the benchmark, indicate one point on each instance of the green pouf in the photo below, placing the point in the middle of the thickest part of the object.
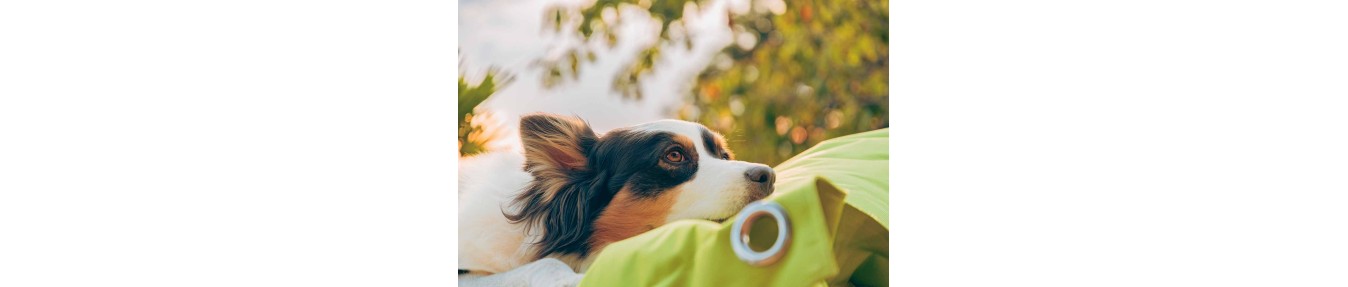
(836, 196)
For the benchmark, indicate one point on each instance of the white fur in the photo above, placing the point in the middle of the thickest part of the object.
(487, 184)
(718, 191)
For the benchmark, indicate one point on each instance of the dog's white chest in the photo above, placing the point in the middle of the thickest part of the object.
(487, 241)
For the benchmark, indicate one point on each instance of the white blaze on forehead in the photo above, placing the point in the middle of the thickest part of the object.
(684, 128)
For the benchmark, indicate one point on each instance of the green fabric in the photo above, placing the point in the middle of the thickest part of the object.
(837, 198)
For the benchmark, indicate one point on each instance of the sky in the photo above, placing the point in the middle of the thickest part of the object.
(509, 35)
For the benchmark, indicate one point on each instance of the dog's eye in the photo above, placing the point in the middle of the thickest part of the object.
(674, 156)
(725, 156)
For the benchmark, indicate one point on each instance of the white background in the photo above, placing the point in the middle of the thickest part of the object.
(227, 143)
(309, 143)
(1120, 143)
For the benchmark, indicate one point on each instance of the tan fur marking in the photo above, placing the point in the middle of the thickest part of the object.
(720, 141)
(628, 216)
(560, 146)
(684, 141)
(690, 151)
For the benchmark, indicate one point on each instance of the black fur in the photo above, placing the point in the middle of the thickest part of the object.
(634, 158)
(622, 158)
(716, 150)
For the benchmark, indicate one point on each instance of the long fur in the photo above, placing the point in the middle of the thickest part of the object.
(577, 176)
(563, 198)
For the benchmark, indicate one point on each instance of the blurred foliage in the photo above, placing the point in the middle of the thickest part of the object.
(798, 71)
(474, 137)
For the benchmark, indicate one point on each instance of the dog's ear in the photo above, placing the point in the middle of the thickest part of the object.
(555, 143)
(562, 199)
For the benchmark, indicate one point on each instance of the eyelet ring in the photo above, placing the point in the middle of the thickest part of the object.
(739, 234)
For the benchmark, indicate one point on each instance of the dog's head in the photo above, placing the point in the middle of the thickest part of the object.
(589, 190)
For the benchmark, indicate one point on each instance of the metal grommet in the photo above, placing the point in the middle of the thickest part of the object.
(739, 233)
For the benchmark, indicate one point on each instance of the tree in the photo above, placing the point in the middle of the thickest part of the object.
(474, 136)
(799, 72)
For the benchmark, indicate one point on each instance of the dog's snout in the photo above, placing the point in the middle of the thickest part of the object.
(759, 174)
(761, 179)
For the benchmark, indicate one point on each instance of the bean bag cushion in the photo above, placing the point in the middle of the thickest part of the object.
(836, 197)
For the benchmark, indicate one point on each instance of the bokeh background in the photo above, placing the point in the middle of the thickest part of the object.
(774, 76)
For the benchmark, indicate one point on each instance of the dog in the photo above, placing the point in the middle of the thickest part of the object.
(571, 192)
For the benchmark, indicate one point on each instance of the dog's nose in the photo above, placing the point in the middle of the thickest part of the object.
(761, 178)
(760, 174)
